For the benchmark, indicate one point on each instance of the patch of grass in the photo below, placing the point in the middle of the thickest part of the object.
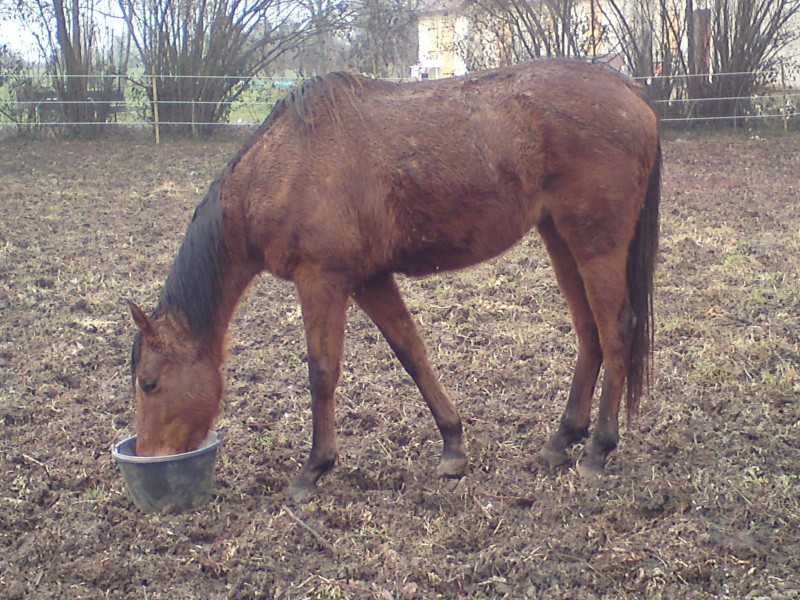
(735, 262)
(261, 444)
(374, 532)
(670, 323)
(95, 493)
(707, 368)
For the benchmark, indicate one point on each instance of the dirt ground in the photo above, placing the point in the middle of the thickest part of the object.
(701, 500)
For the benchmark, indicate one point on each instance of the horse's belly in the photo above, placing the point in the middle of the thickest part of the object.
(448, 252)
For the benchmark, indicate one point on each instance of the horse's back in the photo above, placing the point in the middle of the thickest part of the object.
(437, 175)
(473, 163)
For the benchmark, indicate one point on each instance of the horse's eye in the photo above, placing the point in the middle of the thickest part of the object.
(148, 386)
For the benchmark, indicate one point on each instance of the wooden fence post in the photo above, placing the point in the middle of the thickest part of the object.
(783, 95)
(155, 104)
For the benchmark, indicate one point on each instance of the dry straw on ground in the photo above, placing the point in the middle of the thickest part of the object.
(701, 500)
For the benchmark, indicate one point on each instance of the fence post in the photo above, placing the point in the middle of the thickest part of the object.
(155, 103)
(783, 95)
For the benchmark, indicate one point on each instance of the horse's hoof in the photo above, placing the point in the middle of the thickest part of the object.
(553, 458)
(453, 467)
(301, 491)
(591, 468)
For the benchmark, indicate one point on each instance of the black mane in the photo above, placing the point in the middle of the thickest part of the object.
(193, 290)
(321, 98)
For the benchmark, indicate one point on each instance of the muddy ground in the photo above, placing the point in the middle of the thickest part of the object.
(701, 500)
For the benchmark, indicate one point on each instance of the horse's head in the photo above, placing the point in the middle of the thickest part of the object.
(178, 386)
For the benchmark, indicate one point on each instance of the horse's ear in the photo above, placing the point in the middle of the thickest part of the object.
(142, 321)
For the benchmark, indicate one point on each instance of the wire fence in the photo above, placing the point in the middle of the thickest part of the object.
(30, 103)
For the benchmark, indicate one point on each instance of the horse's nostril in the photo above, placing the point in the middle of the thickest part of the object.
(148, 386)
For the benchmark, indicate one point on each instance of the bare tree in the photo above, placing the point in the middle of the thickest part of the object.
(690, 50)
(702, 50)
(646, 37)
(203, 53)
(632, 35)
(746, 38)
(78, 54)
(73, 63)
(382, 37)
(514, 30)
(323, 49)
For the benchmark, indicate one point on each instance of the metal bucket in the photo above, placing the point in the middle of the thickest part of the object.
(177, 482)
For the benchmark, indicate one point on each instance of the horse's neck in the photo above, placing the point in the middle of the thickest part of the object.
(210, 275)
(235, 280)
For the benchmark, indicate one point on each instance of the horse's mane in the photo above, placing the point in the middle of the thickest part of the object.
(323, 97)
(193, 290)
(316, 98)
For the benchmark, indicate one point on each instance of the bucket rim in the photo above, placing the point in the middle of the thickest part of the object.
(212, 441)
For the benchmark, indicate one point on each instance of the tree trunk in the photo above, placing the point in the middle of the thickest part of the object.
(72, 82)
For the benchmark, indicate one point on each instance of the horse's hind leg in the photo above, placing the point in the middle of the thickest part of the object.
(605, 279)
(574, 424)
(381, 300)
(324, 305)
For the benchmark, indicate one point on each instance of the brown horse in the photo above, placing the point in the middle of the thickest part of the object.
(350, 180)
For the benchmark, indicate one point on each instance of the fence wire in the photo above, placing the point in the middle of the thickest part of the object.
(30, 103)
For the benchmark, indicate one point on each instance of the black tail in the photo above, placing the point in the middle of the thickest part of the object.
(641, 268)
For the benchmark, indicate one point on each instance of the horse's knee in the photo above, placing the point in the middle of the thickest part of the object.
(322, 377)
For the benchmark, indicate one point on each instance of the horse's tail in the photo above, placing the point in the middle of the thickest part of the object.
(640, 270)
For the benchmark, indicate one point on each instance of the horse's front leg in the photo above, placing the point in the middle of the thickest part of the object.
(324, 305)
